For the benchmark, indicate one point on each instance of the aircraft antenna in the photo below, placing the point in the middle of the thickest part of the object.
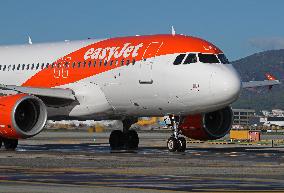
(30, 40)
(173, 31)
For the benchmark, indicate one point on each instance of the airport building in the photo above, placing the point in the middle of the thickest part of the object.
(242, 117)
(272, 121)
(273, 113)
(277, 112)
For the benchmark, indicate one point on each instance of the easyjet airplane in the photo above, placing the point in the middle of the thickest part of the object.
(120, 78)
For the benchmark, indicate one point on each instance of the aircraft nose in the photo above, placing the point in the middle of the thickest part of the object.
(225, 85)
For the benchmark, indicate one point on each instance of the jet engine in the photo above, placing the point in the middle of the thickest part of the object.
(21, 116)
(208, 126)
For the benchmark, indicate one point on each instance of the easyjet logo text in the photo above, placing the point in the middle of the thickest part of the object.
(116, 52)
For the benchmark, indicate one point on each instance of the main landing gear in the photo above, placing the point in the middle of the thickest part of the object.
(129, 140)
(175, 142)
(9, 144)
(126, 139)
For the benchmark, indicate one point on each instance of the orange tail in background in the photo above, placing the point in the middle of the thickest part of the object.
(269, 76)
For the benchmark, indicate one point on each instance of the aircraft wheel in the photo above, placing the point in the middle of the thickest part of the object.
(10, 144)
(116, 140)
(172, 144)
(131, 139)
(181, 144)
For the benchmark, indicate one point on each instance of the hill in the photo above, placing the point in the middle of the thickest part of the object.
(253, 68)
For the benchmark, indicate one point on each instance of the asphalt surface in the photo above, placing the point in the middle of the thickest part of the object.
(74, 162)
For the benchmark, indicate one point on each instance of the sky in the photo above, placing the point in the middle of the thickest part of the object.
(238, 27)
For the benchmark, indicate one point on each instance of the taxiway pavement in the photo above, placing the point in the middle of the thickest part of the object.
(74, 162)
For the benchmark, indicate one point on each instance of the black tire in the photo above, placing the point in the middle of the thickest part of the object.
(116, 140)
(172, 144)
(181, 144)
(10, 144)
(131, 139)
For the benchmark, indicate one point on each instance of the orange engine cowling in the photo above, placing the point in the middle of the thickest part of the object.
(209, 126)
(21, 116)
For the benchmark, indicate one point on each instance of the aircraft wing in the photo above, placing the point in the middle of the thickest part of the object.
(271, 81)
(41, 92)
(252, 84)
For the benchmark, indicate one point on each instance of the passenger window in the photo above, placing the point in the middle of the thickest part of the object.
(133, 61)
(47, 65)
(33, 65)
(37, 66)
(14, 67)
(94, 63)
(42, 66)
(179, 59)
(28, 66)
(4, 68)
(74, 64)
(101, 63)
(110, 63)
(208, 58)
(105, 63)
(116, 62)
(0, 67)
(19, 66)
(127, 62)
(90, 63)
(191, 58)
(79, 64)
(122, 62)
(23, 67)
(84, 64)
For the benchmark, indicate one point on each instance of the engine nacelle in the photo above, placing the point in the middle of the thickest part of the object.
(209, 126)
(21, 116)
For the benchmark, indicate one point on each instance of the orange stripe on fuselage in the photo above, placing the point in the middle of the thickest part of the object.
(127, 48)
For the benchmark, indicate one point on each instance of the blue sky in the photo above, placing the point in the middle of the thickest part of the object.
(239, 27)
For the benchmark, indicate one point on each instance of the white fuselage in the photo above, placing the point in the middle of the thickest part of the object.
(150, 87)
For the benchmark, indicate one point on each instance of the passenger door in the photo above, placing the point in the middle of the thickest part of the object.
(147, 62)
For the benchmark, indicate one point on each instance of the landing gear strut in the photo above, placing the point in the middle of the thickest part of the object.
(176, 143)
(126, 139)
(9, 144)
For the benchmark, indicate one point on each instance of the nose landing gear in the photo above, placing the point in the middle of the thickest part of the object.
(129, 140)
(126, 139)
(176, 143)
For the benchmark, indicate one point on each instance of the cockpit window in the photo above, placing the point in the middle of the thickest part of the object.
(179, 59)
(208, 58)
(191, 58)
(223, 59)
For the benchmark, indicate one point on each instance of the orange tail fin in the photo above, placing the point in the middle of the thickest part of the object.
(269, 76)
